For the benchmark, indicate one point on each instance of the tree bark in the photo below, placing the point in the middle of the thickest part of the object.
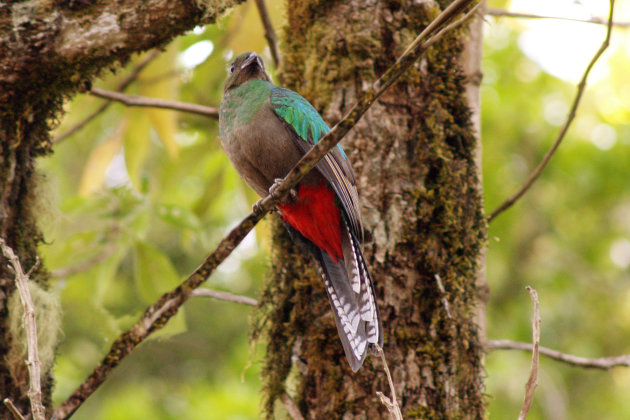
(414, 157)
(49, 51)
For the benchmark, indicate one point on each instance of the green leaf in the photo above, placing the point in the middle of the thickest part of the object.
(153, 271)
(136, 142)
(106, 271)
(154, 275)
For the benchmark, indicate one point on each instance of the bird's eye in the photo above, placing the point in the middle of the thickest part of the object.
(232, 69)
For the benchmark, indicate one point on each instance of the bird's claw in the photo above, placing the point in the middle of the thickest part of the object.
(257, 208)
(274, 189)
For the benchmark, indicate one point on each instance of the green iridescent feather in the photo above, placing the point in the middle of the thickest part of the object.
(300, 114)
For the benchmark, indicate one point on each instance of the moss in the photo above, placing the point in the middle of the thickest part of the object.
(420, 412)
(332, 50)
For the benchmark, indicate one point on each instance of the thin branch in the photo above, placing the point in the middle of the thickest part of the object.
(563, 131)
(596, 20)
(532, 382)
(121, 88)
(13, 409)
(457, 23)
(156, 316)
(134, 100)
(438, 280)
(30, 326)
(391, 404)
(270, 34)
(228, 297)
(291, 407)
(603, 363)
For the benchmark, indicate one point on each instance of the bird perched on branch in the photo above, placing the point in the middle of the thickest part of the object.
(265, 130)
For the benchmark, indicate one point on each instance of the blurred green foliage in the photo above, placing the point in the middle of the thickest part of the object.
(134, 201)
(566, 237)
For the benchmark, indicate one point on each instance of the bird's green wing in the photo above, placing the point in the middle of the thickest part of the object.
(308, 127)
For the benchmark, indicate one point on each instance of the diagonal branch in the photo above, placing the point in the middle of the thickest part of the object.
(563, 131)
(121, 88)
(270, 34)
(142, 101)
(603, 363)
(30, 326)
(156, 316)
(13, 409)
(594, 19)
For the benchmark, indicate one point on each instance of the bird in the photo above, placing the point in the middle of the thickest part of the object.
(265, 129)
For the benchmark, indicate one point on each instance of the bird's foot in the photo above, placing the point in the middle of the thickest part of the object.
(273, 190)
(257, 208)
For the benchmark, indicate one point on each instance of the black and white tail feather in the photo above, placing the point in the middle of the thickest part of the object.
(353, 300)
(351, 294)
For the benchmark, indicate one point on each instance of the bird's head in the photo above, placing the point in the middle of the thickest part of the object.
(247, 66)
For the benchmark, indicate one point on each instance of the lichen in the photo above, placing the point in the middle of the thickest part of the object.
(48, 320)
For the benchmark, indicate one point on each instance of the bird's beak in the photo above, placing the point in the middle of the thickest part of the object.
(253, 57)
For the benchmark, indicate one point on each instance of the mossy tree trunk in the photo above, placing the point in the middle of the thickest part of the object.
(414, 157)
(49, 51)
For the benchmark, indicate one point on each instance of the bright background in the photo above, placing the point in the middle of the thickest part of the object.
(139, 196)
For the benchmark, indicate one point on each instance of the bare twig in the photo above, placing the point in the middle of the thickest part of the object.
(13, 409)
(391, 404)
(596, 20)
(291, 407)
(576, 102)
(604, 363)
(438, 280)
(270, 34)
(457, 23)
(121, 88)
(170, 302)
(228, 297)
(134, 100)
(30, 325)
(532, 382)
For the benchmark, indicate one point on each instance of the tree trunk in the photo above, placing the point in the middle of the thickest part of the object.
(414, 157)
(50, 50)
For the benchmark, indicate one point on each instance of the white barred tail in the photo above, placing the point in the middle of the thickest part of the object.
(353, 300)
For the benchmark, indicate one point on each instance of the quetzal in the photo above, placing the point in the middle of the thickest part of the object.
(265, 130)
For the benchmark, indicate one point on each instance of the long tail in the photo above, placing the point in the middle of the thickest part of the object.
(352, 297)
